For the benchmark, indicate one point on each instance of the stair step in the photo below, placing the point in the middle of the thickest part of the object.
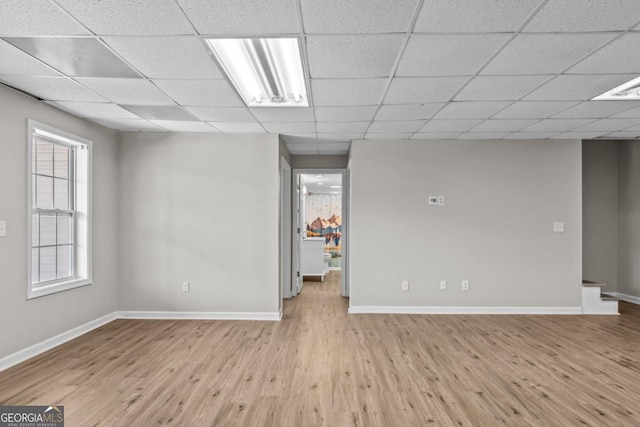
(589, 283)
(606, 297)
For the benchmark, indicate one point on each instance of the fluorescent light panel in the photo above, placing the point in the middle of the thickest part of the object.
(628, 91)
(266, 72)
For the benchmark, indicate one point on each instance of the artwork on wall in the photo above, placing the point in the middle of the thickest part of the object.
(324, 219)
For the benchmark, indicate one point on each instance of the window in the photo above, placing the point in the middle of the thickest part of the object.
(59, 202)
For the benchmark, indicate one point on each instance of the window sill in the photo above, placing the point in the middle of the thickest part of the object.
(57, 287)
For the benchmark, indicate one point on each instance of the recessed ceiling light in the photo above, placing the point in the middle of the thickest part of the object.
(321, 183)
(265, 72)
(625, 92)
(318, 176)
(336, 186)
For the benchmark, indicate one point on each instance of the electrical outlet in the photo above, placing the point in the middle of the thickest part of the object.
(440, 200)
(443, 285)
(405, 285)
(185, 286)
(465, 285)
(3, 228)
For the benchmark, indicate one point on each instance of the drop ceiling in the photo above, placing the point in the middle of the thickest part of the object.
(375, 69)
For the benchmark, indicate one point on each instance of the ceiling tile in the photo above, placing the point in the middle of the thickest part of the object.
(18, 63)
(499, 88)
(409, 111)
(614, 58)
(95, 109)
(625, 134)
(436, 135)
(303, 149)
(450, 55)
(398, 135)
(200, 93)
(441, 126)
(556, 125)
(283, 115)
(531, 135)
(127, 91)
(596, 109)
(357, 16)
(140, 17)
(242, 17)
(609, 125)
(446, 16)
(333, 149)
(576, 87)
(129, 124)
(503, 125)
(533, 109)
(343, 92)
(342, 127)
(75, 56)
(167, 57)
(418, 90)
(580, 15)
(35, 18)
(471, 110)
(352, 56)
(396, 126)
(347, 114)
(578, 135)
(52, 88)
(530, 53)
(180, 126)
(221, 114)
(298, 137)
(293, 127)
(238, 127)
(160, 112)
(628, 114)
(340, 136)
(482, 135)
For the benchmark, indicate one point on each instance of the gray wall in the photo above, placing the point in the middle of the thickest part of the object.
(319, 162)
(502, 198)
(24, 323)
(600, 212)
(629, 218)
(201, 208)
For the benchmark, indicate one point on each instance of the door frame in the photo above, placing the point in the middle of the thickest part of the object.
(295, 240)
(286, 228)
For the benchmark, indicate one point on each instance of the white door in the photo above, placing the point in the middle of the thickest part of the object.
(285, 227)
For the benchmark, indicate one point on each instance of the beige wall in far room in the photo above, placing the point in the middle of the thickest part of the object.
(496, 229)
(27, 322)
(600, 212)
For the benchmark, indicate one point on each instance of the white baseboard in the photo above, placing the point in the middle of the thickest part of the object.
(625, 297)
(197, 315)
(462, 310)
(36, 349)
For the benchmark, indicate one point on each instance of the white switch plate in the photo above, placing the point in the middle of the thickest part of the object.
(558, 227)
(465, 285)
(433, 200)
(185, 286)
(405, 285)
(443, 285)
(3, 228)
(440, 200)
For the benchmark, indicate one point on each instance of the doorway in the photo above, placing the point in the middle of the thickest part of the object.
(319, 228)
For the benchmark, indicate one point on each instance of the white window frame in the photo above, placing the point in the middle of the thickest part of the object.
(82, 171)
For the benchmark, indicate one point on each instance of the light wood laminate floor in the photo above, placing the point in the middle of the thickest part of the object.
(323, 367)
